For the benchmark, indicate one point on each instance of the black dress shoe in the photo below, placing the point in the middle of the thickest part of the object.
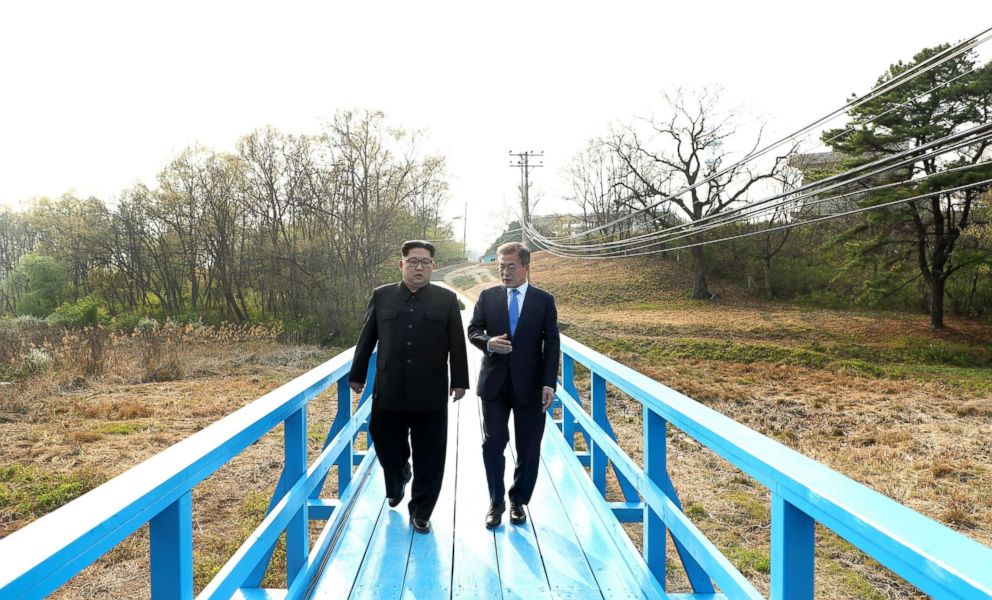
(517, 514)
(495, 515)
(420, 525)
(407, 474)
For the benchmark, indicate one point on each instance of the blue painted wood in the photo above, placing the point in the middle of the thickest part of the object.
(345, 538)
(569, 574)
(627, 512)
(612, 559)
(332, 530)
(927, 554)
(430, 562)
(171, 541)
(568, 382)
(347, 459)
(682, 529)
(656, 469)
(476, 573)
(297, 529)
(321, 509)
(597, 408)
(237, 570)
(792, 552)
(384, 567)
(259, 594)
(521, 567)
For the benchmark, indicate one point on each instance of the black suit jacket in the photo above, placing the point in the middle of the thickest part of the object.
(533, 363)
(417, 335)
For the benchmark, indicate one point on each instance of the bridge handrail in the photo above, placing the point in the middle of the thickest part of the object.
(928, 554)
(40, 557)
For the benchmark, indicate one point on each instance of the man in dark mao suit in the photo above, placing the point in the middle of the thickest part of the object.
(516, 326)
(418, 327)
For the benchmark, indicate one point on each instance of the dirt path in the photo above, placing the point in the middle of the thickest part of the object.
(484, 276)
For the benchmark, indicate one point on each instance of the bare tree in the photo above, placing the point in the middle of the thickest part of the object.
(684, 149)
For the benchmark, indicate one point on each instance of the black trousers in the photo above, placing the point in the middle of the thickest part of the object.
(528, 428)
(393, 433)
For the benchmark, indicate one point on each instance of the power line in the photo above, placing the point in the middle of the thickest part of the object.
(925, 66)
(787, 225)
(907, 157)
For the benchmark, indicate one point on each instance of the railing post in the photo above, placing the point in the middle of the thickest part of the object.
(598, 413)
(792, 551)
(656, 469)
(568, 384)
(297, 535)
(345, 461)
(171, 541)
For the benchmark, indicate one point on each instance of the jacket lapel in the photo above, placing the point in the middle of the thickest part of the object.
(502, 311)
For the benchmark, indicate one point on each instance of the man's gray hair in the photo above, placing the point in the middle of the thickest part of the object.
(515, 248)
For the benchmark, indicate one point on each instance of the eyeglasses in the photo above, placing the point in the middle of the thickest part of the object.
(415, 262)
(508, 268)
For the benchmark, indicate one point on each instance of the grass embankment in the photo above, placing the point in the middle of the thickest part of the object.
(874, 395)
(69, 422)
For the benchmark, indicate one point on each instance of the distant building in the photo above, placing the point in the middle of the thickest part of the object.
(488, 258)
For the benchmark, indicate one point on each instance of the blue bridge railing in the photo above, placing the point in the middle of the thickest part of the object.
(41, 557)
(927, 554)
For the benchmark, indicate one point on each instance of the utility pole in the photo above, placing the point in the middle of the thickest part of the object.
(465, 231)
(523, 163)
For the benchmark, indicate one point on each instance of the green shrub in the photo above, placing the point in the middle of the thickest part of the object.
(85, 312)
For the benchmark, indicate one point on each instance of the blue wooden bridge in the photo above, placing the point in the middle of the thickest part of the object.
(572, 546)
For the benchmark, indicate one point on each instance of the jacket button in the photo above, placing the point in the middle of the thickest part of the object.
(408, 361)
(409, 343)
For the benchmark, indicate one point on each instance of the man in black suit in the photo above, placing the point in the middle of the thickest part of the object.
(516, 326)
(419, 329)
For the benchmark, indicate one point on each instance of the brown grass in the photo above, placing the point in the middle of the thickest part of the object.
(859, 397)
(68, 424)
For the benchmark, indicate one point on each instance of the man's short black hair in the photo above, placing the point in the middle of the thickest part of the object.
(411, 244)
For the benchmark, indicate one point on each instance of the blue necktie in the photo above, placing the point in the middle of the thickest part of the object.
(514, 312)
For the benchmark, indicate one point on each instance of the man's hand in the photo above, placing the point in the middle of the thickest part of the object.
(500, 344)
(547, 397)
(356, 386)
(457, 393)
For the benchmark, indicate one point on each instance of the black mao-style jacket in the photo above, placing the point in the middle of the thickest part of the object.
(419, 334)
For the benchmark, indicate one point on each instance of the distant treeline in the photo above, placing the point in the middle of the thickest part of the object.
(290, 228)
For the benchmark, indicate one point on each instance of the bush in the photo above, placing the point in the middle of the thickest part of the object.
(39, 283)
(86, 312)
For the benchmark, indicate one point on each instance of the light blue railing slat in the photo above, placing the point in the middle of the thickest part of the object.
(792, 552)
(171, 547)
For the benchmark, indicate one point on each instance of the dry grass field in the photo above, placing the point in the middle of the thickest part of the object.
(63, 432)
(876, 396)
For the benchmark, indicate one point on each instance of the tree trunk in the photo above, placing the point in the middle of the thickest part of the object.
(700, 291)
(937, 301)
(766, 265)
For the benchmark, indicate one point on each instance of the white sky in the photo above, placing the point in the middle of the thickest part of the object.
(95, 96)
